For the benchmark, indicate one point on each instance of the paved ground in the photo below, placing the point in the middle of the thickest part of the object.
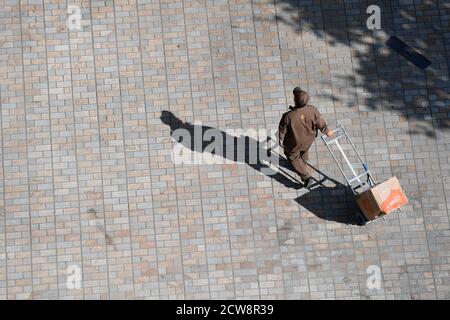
(88, 185)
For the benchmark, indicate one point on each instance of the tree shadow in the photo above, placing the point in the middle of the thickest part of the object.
(240, 149)
(391, 82)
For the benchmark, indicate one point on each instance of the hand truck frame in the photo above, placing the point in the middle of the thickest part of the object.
(357, 181)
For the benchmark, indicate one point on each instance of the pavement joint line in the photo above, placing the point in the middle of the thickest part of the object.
(99, 146)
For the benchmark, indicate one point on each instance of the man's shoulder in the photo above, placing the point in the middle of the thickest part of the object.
(313, 109)
(289, 114)
(293, 111)
(286, 114)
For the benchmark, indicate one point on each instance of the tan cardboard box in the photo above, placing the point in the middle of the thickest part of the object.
(381, 199)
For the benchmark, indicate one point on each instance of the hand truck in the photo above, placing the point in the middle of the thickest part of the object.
(358, 181)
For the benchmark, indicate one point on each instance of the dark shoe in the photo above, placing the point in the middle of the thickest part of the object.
(308, 183)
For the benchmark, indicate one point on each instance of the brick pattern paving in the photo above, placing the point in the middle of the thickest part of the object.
(88, 182)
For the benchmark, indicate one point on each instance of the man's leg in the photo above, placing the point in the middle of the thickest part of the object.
(297, 161)
(305, 156)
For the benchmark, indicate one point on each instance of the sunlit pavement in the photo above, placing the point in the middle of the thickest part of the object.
(93, 207)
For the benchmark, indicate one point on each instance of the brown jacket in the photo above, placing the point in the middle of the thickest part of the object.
(297, 129)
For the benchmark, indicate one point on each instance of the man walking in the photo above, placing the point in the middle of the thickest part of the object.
(297, 132)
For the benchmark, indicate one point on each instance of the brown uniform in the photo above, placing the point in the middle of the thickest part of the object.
(297, 132)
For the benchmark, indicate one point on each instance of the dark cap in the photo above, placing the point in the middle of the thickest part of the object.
(301, 98)
(297, 90)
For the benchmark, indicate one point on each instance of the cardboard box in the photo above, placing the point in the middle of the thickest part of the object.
(381, 199)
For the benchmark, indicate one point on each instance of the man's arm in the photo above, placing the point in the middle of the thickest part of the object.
(322, 125)
(282, 128)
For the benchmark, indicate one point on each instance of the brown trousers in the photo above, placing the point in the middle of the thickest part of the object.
(298, 161)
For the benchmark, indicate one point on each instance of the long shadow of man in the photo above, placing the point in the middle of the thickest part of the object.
(243, 149)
